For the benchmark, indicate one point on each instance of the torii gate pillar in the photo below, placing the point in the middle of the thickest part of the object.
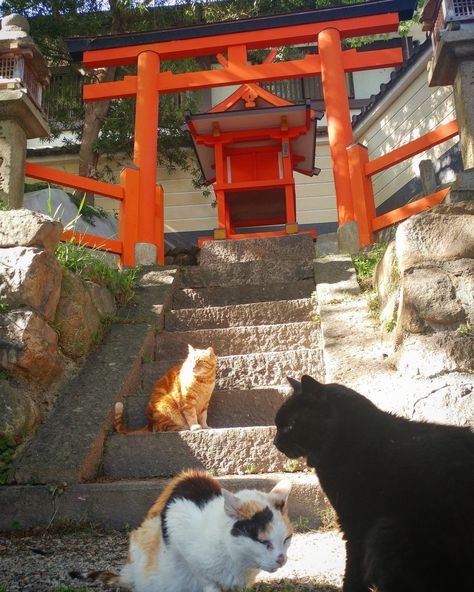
(145, 156)
(333, 78)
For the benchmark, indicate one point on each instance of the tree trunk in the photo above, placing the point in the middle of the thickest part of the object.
(96, 112)
(94, 116)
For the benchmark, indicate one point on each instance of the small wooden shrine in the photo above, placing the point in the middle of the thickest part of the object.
(248, 147)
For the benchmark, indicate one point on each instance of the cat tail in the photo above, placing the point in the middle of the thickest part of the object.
(118, 425)
(109, 578)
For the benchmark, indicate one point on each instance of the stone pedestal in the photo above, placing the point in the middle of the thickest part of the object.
(21, 117)
(453, 64)
(428, 177)
(12, 163)
(348, 238)
(463, 188)
(464, 101)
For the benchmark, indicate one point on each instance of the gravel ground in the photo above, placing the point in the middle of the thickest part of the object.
(39, 561)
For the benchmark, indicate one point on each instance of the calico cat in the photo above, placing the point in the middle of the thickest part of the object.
(179, 399)
(403, 490)
(199, 537)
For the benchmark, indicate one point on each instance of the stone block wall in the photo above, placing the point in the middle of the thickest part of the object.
(425, 284)
(49, 318)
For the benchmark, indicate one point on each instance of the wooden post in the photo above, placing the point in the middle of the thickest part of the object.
(364, 205)
(222, 215)
(146, 143)
(290, 209)
(160, 224)
(129, 214)
(333, 78)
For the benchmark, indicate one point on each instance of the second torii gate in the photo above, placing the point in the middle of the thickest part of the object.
(326, 27)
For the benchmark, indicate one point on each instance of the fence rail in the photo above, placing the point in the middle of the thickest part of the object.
(127, 193)
(362, 169)
(48, 174)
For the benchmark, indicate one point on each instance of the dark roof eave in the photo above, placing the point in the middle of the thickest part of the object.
(404, 8)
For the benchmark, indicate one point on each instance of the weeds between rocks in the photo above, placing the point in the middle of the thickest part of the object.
(365, 263)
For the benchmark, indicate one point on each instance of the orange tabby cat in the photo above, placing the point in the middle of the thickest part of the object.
(179, 399)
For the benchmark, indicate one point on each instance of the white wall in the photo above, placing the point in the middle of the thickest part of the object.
(407, 112)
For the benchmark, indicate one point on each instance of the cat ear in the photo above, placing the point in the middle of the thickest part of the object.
(295, 385)
(210, 351)
(310, 386)
(279, 494)
(190, 348)
(231, 505)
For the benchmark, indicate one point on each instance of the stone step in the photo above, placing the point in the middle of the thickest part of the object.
(249, 272)
(244, 372)
(240, 408)
(227, 451)
(230, 295)
(293, 246)
(240, 315)
(233, 341)
(123, 504)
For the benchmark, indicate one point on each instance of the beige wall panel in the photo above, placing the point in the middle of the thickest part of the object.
(418, 110)
(315, 189)
(188, 225)
(385, 184)
(315, 203)
(189, 211)
(429, 114)
(317, 216)
(185, 198)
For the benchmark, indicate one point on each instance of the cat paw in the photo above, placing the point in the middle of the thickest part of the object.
(195, 427)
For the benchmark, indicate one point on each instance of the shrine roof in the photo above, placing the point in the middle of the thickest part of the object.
(405, 9)
(270, 118)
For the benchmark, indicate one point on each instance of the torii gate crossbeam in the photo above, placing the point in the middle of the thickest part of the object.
(331, 62)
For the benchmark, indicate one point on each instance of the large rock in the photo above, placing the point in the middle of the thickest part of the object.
(18, 412)
(103, 300)
(30, 277)
(446, 399)
(429, 301)
(443, 233)
(59, 202)
(433, 355)
(29, 346)
(462, 273)
(29, 229)
(77, 318)
(386, 282)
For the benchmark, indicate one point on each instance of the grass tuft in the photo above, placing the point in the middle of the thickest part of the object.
(7, 452)
(365, 263)
(89, 265)
(465, 329)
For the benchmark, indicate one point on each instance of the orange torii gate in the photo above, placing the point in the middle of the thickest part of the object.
(326, 27)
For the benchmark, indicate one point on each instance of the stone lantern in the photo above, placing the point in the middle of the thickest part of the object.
(451, 25)
(23, 74)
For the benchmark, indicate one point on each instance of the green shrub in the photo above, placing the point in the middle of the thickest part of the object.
(7, 452)
(365, 263)
(90, 265)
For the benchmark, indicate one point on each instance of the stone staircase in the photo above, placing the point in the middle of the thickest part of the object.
(260, 331)
(252, 301)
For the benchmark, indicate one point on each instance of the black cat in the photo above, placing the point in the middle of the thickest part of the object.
(403, 490)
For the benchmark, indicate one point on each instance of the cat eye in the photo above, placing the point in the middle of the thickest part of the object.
(267, 544)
